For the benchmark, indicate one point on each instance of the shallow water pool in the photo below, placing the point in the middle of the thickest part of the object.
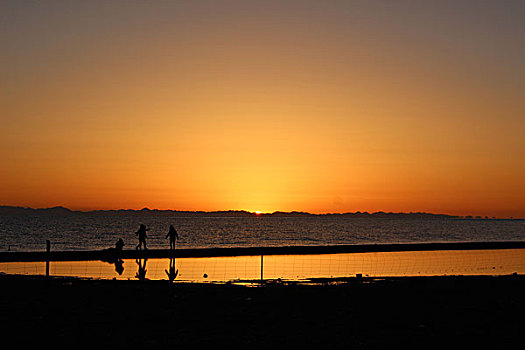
(288, 267)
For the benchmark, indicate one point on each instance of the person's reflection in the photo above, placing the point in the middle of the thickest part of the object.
(141, 273)
(172, 273)
(119, 266)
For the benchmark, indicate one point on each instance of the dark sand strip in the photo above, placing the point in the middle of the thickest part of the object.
(251, 251)
(406, 313)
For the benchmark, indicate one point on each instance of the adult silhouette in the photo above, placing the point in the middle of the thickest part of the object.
(141, 233)
(172, 273)
(173, 235)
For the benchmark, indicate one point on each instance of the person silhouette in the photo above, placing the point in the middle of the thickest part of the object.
(141, 273)
(173, 235)
(119, 245)
(114, 256)
(141, 233)
(172, 274)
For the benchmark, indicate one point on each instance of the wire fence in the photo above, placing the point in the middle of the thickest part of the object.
(287, 267)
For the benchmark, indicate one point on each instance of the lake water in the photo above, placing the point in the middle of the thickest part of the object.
(82, 232)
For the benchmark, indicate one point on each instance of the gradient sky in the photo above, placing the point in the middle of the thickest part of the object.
(320, 106)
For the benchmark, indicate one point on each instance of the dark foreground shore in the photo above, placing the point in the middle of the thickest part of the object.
(436, 312)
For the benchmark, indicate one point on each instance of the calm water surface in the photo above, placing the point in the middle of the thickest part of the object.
(100, 232)
(289, 267)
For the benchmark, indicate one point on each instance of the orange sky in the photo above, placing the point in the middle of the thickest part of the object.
(334, 107)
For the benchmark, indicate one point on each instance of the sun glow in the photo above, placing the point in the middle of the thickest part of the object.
(217, 110)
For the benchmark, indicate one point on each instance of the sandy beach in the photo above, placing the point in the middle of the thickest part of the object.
(472, 312)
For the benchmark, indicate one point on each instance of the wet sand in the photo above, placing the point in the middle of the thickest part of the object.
(436, 312)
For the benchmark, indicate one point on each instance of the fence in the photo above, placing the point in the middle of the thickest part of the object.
(382, 261)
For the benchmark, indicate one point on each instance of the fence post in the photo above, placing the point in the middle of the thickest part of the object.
(48, 250)
(262, 268)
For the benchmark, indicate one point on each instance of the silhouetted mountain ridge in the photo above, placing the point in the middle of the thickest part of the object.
(9, 210)
(61, 211)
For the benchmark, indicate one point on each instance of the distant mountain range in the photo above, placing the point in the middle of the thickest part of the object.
(61, 211)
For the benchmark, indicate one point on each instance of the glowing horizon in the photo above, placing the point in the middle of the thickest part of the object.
(297, 106)
(258, 212)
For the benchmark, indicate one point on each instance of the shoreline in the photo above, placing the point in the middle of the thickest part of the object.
(252, 251)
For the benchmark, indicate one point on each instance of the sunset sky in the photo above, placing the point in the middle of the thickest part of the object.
(319, 106)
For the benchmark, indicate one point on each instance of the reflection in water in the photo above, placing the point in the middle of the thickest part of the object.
(141, 273)
(117, 261)
(119, 266)
(172, 273)
(294, 267)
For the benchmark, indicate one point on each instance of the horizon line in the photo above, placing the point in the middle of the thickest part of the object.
(260, 213)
